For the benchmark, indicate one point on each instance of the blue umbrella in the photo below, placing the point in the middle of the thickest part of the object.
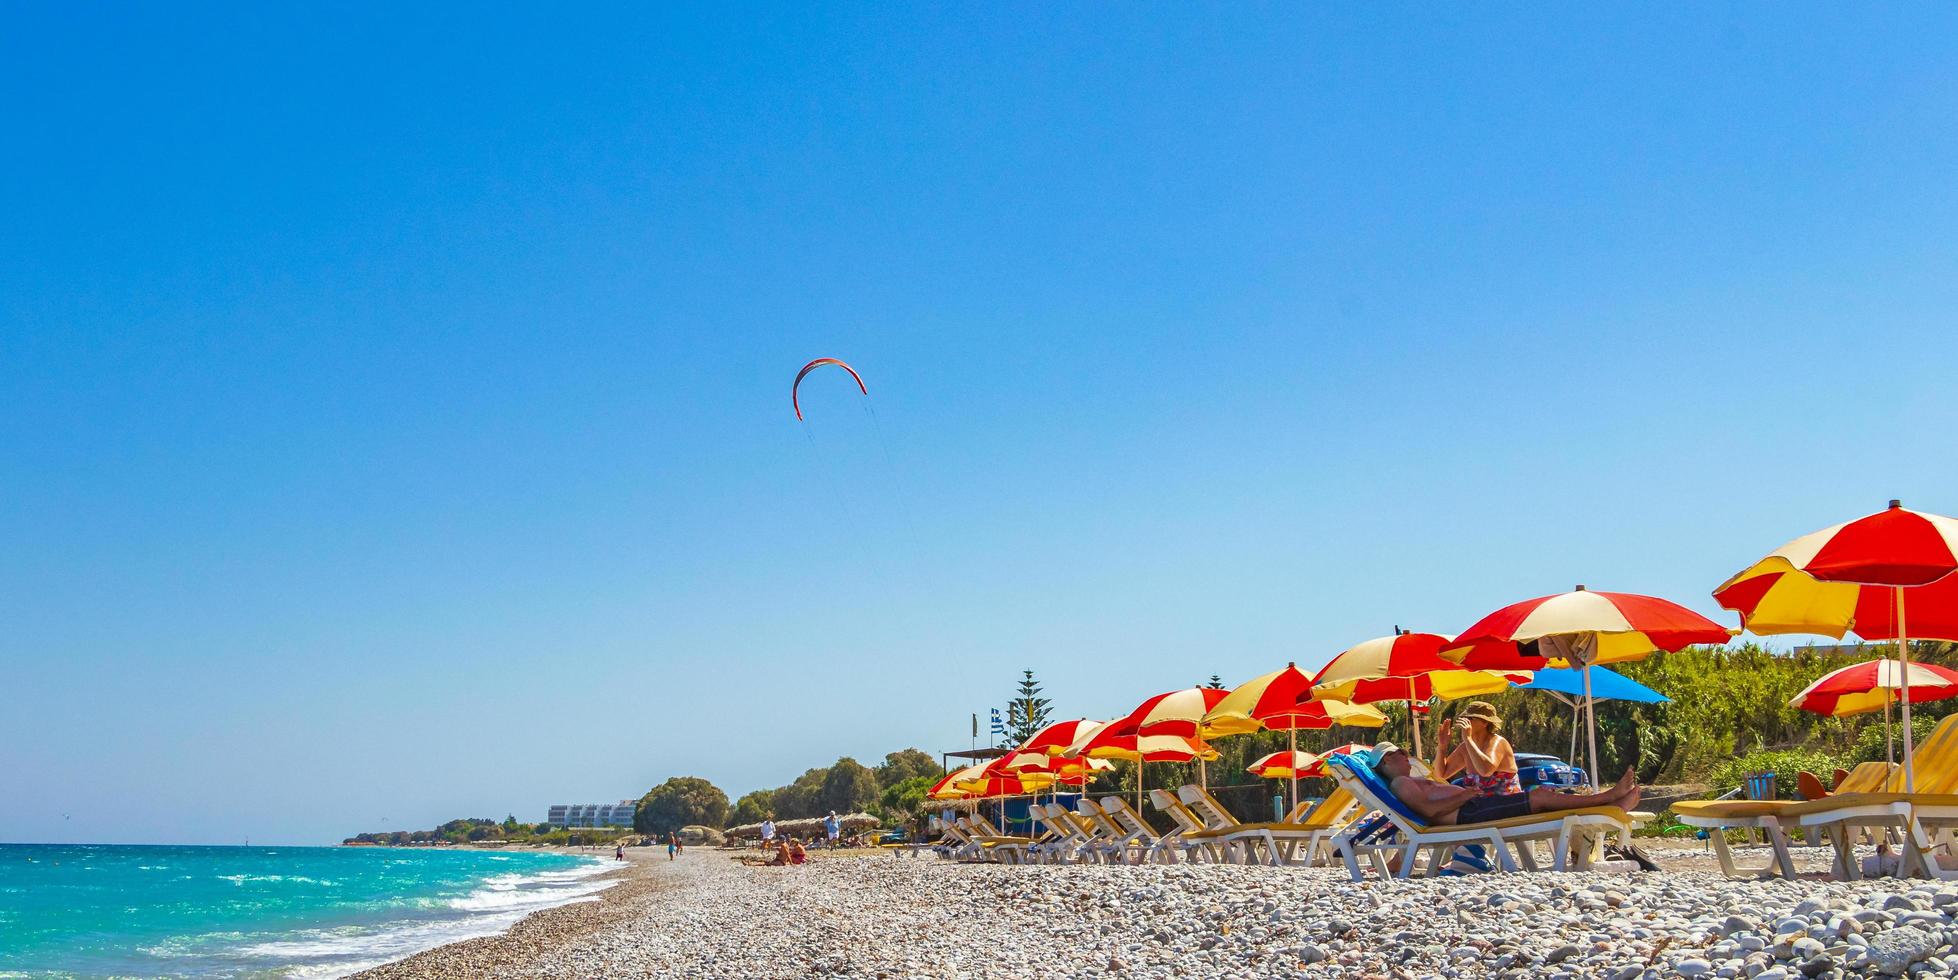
(1606, 685)
(1566, 684)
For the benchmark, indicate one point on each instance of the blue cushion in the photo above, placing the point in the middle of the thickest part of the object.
(1365, 774)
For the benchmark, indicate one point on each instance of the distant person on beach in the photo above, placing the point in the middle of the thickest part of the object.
(796, 854)
(672, 846)
(618, 854)
(1484, 761)
(1442, 804)
(767, 831)
(831, 827)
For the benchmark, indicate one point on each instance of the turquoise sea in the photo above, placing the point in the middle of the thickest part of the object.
(168, 911)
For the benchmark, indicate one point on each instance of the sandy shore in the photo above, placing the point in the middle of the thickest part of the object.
(875, 916)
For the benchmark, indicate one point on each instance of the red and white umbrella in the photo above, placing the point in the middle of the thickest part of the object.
(1887, 576)
(1581, 629)
(1405, 667)
(1282, 701)
(1055, 738)
(1176, 713)
(1873, 685)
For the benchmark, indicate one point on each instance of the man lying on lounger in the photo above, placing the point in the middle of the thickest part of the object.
(1442, 804)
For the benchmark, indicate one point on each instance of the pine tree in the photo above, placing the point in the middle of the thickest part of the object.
(1216, 682)
(1028, 712)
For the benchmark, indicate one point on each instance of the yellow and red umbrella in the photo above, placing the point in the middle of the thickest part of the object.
(1283, 765)
(1581, 629)
(950, 788)
(1874, 685)
(1405, 667)
(1303, 765)
(1886, 576)
(1038, 770)
(1282, 701)
(1109, 742)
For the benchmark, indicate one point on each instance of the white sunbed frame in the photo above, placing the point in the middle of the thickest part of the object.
(1508, 841)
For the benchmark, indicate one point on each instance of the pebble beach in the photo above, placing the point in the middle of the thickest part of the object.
(858, 915)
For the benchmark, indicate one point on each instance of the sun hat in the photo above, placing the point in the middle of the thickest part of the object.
(1378, 752)
(1483, 710)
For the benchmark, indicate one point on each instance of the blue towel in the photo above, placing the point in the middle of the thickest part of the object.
(1372, 781)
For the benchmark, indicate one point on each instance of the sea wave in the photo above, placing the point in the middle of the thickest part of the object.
(491, 909)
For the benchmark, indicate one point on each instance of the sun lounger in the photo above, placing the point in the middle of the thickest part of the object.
(1772, 818)
(1573, 832)
(1067, 839)
(1125, 844)
(1303, 837)
(1187, 822)
(1154, 846)
(1010, 848)
(1926, 818)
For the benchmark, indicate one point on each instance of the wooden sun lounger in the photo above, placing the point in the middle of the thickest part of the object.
(1573, 832)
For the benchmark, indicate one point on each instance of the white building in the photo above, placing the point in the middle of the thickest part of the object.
(592, 814)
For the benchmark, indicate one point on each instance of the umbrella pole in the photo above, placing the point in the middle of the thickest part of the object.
(1414, 717)
(1291, 761)
(1889, 740)
(1139, 763)
(1576, 723)
(1903, 655)
(1591, 715)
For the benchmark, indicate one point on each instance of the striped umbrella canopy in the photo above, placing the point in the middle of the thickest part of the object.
(1873, 685)
(1581, 629)
(1175, 713)
(1055, 738)
(948, 788)
(1038, 770)
(1109, 743)
(1405, 667)
(1283, 765)
(1282, 701)
(1304, 765)
(1887, 576)
(989, 781)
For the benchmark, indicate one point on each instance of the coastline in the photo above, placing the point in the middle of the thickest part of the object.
(868, 915)
(545, 928)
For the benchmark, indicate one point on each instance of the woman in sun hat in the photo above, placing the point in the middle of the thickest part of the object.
(1484, 761)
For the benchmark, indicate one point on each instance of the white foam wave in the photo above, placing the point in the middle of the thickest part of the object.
(489, 910)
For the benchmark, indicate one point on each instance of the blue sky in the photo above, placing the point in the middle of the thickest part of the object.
(395, 403)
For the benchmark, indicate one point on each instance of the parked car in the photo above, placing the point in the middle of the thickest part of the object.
(1534, 769)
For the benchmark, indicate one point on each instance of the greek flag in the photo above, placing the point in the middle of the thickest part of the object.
(999, 727)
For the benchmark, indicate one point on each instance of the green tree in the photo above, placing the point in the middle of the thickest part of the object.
(1216, 682)
(905, 801)
(678, 802)
(848, 787)
(906, 765)
(753, 808)
(802, 797)
(1028, 712)
(510, 824)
